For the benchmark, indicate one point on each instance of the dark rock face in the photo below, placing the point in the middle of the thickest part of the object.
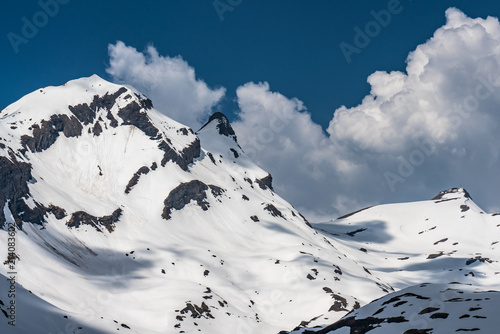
(358, 326)
(83, 113)
(87, 114)
(265, 182)
(428, 310)
(107, 101)
(223, 125)
(14, 178)
(273, 211)
(452, 191)
(216, 191)
(184, 193)
(23, 213)
(169, 155)
(58, 212)
(211, 156)
(145, 102)
(408, 294)
(304, 219)
(184, 131)
(440, 315)
(340, 303)
(132, 115)
(184, 158)
(353, 233)
(478, 258)
(202, 311)
(133, 181)
(69, 125)
(80, 217)
(235, 153)
(97, 130)
(113, 121)
(45, 135)
(190, 153)
(436, 255)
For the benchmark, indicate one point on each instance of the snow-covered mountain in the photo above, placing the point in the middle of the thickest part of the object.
(127, 220)
(443, 241)
(117, 218)
(422, 309)
(446, 239)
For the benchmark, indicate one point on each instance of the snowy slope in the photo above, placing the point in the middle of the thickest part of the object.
(447, 239)
(127, 220)
(444, 241)
(423, 309)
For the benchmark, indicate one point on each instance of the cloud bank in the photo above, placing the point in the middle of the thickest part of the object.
(432, 127)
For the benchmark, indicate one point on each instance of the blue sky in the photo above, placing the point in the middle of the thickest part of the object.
(401, 135)
(293, 45)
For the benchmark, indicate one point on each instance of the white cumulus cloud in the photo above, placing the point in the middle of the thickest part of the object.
(432, 127)
(168, 81)
(418, 132)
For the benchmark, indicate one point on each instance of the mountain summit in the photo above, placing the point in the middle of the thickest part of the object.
(222, 124)
(452, 193)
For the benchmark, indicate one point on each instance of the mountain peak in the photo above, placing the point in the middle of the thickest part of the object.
(90, 120)
(94, 83)
(221, 124)
(453, 192)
